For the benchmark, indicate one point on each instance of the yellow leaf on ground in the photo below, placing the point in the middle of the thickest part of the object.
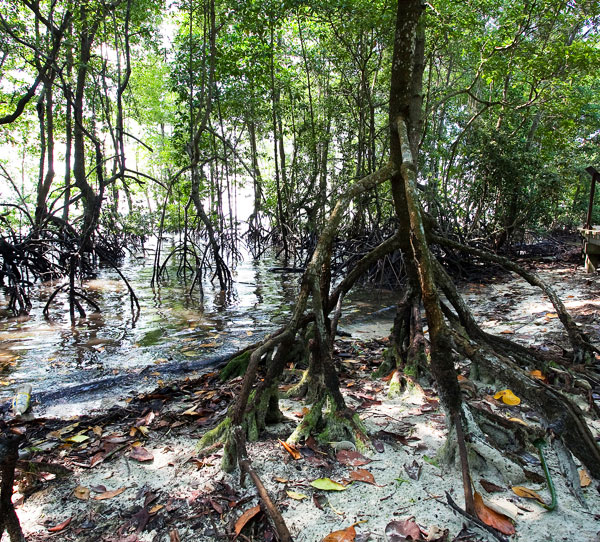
(508, 397)
(550, 315)
(584, 478)
(508, 332)
(296, 496)
(527, 493)
(492, 518)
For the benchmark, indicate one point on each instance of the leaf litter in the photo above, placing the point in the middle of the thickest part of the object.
(202, 504)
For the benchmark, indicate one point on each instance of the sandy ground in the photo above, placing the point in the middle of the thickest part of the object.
(175, 496)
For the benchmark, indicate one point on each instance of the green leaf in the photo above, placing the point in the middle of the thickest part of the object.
(431, 461)
(327, 484)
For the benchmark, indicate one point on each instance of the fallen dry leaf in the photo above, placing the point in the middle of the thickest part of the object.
(537, 374)
(109, 494)
(60, 526)
(518, 420)
(400, 531)
(490, 487)
(492, 518)
(345, 535)
(584, 478)
(351, 458)
(81, 493)
(527, 493)
(362, 475)
(296, 496)
(245, 518)
(140, 454)
(413, 470)
(508, 397)
(290, 449)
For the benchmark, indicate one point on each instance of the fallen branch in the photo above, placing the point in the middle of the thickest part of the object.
(246, 468)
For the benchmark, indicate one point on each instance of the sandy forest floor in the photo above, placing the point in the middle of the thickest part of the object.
(135, 474)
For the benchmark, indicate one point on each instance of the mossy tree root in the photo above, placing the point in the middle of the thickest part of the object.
(583, 350)
(564, 417)
(236, 366)
(329, 424)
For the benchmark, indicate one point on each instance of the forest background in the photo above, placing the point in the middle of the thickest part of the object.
(113, 134)
(234, 122)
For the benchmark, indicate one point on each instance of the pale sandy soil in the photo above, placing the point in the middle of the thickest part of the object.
(175, 498)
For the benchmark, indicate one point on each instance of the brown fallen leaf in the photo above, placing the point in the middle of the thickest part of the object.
(345, 535)
(174, 536)
(351, 458)
(60, 526)
(290, 449)
(490, 487)
(527, 493)
(140, 454)
(81, 493)
(245, 518)
(110, 494)
(362, 475)
(492, 518)
(398, 531)
(413, 470)
(584, 478)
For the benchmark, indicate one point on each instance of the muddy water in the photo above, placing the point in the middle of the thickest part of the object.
(106, 356)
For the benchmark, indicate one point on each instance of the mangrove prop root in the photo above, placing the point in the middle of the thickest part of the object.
(9, 445)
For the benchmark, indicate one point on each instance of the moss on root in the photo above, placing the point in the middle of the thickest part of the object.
(236, 366)
(329, 424)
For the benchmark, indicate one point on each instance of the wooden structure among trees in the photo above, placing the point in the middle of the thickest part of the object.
(591, 234)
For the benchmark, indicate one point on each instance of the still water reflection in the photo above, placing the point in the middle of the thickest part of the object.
(174, 332)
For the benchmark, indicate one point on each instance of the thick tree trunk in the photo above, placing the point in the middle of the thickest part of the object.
(405, 114)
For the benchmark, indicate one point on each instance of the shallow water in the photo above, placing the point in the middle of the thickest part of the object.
(107, 355)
